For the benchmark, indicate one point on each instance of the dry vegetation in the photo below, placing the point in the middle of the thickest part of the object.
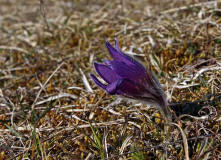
(50, 108)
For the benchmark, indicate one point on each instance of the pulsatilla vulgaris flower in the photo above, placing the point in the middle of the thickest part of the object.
(127, 77)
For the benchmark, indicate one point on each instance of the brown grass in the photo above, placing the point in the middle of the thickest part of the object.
(49, 111)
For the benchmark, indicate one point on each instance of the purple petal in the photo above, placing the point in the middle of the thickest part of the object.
(97, 81)
(124, 87)
(125, 71)
(106, 72)
(120, 56)
(107, 62)
(116, 45)
(129, 88)
(113, 87)
(113, 52)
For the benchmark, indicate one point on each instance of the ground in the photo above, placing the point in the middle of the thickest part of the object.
(51, 109)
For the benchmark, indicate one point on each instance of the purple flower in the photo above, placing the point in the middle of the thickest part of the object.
(127, 77)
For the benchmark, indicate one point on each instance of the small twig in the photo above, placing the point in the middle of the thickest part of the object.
(186, 86)
(105, 143)
(204, 70)
(60, 95)
(185, 144)
(125, 143)
(85, 81)
(122, 2)
(35, 101)
(42, 9)
(189, 6)
(13, 49)
(194, 117)
(206, 152)
(88, 156)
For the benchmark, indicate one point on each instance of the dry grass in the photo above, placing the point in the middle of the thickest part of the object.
(49, 107)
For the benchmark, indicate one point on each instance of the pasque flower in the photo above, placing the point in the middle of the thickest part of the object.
(127, 77)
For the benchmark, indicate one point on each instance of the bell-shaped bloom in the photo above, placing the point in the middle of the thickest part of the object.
(127, 77)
